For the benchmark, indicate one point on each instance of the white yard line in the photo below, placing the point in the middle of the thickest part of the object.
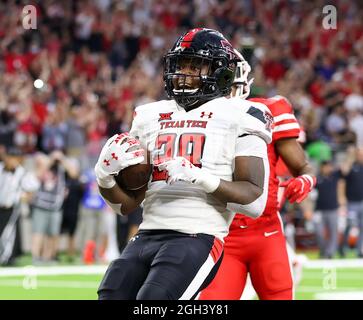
(339, 296)
(321, 289)
(356, 276)
(346, 263)
(101, 269)
(51, 270)
(32, 284)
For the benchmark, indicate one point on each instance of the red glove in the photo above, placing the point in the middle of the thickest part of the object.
(297, 189)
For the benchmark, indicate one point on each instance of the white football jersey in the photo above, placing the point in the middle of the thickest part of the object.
(207, 136)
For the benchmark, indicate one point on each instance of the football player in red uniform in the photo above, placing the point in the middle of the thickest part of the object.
(257, 246)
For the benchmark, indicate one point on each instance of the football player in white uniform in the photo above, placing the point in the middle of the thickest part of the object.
(210, 160)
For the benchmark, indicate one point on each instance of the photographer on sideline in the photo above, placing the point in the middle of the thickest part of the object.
(16, 185)
(47, 204)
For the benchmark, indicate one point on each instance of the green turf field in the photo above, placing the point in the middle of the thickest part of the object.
(57, 287)
(339, 279)
(331, 283)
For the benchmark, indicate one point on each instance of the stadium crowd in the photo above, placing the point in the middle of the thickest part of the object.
(74, 80)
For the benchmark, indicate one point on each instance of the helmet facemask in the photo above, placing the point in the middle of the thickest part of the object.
(241, 83)
(200, 67)
(189, 79)
(189, 74)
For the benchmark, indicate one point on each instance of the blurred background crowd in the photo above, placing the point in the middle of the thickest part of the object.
(72, 82)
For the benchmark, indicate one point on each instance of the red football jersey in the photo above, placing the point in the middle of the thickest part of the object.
(264, 254)
(285, 126)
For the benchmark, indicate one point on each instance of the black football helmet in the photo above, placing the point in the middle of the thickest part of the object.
(213, 60)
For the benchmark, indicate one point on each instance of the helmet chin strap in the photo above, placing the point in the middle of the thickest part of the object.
(181, 101)
(189, 102)
(184, 97)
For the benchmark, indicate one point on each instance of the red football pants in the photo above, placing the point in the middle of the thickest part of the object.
(258, 249)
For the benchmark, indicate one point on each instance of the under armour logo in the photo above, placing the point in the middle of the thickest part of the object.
(209, 115)
(165, 116)
(107, 161)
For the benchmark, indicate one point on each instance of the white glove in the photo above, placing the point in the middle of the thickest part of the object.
(180, 169)
(115, 157)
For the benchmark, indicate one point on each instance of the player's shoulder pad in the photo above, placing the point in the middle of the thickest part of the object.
(153, 106)
(280, 105)
(277, 104)
(255, 118)
(148, 111)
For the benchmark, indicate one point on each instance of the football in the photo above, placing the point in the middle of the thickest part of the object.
(136, 176)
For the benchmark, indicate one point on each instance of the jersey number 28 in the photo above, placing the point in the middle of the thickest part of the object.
(169, 145)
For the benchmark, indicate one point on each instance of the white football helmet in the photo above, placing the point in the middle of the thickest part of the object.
(241, 81)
